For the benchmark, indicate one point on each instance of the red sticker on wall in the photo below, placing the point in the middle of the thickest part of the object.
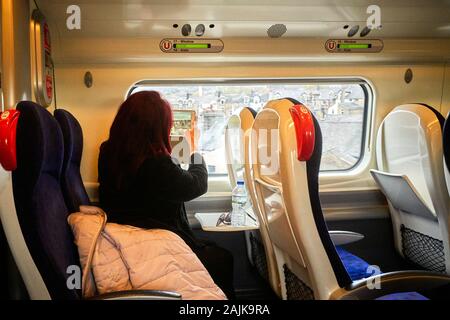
(49, 86)
(47, 42)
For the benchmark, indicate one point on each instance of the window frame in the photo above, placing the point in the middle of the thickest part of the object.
(369, 106)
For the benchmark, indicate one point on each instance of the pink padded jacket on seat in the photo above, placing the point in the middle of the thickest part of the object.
(116, 257)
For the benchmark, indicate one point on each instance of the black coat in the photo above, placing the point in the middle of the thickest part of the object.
(155, 196)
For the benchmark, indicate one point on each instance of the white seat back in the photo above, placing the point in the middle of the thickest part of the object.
(306, 256)
(409, 148)
(237, 146)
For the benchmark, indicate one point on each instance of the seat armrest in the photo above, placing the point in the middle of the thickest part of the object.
(344, 237)
(139, 295)
(399, 281)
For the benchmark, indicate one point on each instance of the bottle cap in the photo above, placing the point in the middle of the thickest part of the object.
(240, 182)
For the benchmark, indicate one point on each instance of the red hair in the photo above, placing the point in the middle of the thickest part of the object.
(141, 130)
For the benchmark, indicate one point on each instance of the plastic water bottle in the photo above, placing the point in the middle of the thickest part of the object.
(238, 199)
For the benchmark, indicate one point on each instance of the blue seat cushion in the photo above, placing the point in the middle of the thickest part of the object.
(403, 296)
(356, 267)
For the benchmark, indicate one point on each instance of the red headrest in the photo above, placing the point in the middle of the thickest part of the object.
(8, 126)
(304, 131)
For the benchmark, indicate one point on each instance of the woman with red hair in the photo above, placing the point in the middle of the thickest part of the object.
(140, 185)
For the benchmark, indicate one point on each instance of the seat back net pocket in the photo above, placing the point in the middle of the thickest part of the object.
(423, 250)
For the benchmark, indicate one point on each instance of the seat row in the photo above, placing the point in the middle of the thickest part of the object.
(279, 161)
(40, 185)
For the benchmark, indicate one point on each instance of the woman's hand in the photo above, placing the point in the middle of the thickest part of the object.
(192, 137)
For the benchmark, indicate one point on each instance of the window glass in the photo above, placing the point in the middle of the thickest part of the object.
(339, 108)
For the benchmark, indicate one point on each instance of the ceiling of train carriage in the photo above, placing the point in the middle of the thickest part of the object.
(250, 18)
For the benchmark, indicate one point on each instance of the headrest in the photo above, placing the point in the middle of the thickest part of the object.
(304, 131)
(420, 110)
(252, 111)
(8, 130)
(45, 154)
(438, 115)
(73, 137)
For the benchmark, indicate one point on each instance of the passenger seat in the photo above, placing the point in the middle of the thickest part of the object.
(237, 146)
(411, 176)
(288, 193)
(285, 196)
(33, 211)
(72, 185)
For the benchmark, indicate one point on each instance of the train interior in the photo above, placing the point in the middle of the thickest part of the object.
(332, 114)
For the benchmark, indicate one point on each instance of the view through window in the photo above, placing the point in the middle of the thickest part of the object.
(339, 108)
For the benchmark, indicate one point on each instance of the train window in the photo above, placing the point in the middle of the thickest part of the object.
(341, 107)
